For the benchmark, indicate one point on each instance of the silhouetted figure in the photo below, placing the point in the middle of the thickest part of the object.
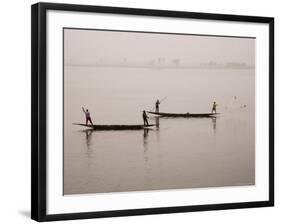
(144, 116)
(157, 106)
(214, 109)
(88, 116)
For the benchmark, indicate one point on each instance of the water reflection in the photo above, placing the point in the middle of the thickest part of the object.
(89, 153)
(214, 124)
(146, 136)
(88, 140)
(157, 122)
(157, 119)
(145, 143)
(213, 119)
(88, 134)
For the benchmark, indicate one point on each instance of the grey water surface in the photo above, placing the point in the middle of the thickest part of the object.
(179, 152)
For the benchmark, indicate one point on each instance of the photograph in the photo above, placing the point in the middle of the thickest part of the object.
(148, 111)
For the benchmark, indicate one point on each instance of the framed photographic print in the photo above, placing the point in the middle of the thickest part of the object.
(140, 111)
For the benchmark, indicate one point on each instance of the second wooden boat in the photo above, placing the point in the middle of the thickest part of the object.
(184, 115)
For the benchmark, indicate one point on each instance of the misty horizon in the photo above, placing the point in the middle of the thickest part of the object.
(134, 49)
(207, 65)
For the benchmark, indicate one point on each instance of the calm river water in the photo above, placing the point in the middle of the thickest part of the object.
(181, 153)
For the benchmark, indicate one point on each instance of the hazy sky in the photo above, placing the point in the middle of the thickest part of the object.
(91, 46)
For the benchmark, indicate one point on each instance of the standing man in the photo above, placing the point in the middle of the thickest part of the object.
(157, 106)
(87, 115)
(214, 109)
(144, 116)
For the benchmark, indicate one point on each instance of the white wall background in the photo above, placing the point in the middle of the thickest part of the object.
(15, 110)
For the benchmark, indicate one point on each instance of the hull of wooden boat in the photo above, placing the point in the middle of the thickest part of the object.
(115, 127)
(184, 115)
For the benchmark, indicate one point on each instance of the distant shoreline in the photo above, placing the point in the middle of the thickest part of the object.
(161, 67)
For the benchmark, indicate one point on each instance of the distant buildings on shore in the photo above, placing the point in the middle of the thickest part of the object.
(162, 62)
(230, 65)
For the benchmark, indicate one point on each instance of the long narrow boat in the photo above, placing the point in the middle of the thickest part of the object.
(99, 127)
(184, 115)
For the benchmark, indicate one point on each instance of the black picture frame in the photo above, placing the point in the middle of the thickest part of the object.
(39, 108)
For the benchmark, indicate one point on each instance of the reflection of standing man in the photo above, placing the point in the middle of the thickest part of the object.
(88, 138)
(214, 121)
(144, 116)
(157, 122)
(214, 109)
(157, 106)
(88, 116)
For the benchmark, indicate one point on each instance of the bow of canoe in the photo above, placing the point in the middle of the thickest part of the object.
(115, 127)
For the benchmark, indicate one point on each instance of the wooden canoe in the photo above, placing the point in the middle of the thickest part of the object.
(184, 115)
(100, 127)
